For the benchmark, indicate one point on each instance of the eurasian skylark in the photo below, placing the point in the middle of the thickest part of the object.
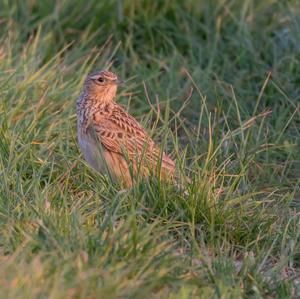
(112, 141)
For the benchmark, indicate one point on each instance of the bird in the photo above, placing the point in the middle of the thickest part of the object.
(112, 141)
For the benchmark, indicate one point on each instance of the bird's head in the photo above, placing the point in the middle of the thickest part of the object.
(102, 85)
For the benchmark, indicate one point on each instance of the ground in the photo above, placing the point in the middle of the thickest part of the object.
(217, 84)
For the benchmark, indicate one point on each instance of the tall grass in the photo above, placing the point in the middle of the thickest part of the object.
(216, 82)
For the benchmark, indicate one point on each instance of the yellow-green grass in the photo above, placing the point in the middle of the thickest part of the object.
(216, 82)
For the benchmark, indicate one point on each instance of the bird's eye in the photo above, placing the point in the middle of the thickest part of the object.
(101, 79)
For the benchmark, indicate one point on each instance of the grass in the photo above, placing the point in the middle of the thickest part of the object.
(67, 232)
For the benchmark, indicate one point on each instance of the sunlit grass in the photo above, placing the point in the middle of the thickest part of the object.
(218, 85)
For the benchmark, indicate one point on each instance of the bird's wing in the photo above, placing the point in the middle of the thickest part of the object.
(121, 133)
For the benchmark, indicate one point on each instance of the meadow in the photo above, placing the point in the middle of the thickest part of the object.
(218, 84)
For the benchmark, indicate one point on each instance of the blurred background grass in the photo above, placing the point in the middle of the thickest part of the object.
(66, 232)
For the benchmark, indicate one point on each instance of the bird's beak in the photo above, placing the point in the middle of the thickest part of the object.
(119, 82)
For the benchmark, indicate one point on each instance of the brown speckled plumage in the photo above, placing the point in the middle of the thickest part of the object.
(112, 141)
